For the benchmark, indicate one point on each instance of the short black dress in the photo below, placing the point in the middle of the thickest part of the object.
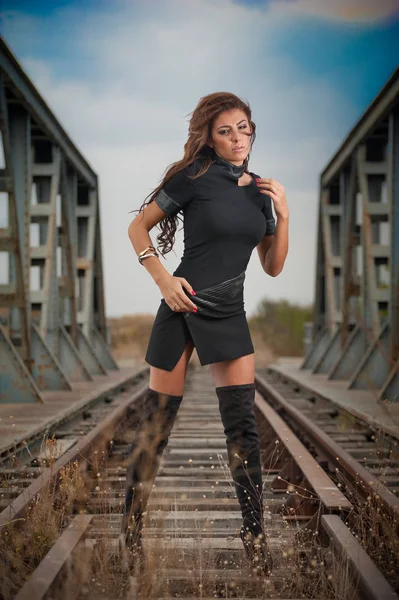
(223, 223)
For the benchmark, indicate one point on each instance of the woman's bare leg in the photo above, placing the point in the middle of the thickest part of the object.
(172, 382)
(234, 372)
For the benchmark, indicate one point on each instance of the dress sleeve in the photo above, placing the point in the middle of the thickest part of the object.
(267, 211)
(176, 193)
(270, 220)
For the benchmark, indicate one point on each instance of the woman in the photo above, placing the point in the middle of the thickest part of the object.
(227, 213)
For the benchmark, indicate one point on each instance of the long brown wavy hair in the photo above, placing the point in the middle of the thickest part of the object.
(199, 136)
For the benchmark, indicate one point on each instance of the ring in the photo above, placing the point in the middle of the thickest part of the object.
(174, 306)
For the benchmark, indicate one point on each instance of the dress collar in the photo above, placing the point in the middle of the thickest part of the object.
(235, 170)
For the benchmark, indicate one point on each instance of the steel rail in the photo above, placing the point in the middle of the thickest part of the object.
(369, 580)
(45, 575)
(331, 497)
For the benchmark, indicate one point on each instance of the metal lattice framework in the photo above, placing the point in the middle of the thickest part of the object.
(53, 328)
(356, 319)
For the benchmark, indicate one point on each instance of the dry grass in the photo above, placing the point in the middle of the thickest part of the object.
(303, 569)
(130, 335)
(24, 542)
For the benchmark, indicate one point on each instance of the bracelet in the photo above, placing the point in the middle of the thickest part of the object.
(146, 249)
(141, 258)
(147, 256)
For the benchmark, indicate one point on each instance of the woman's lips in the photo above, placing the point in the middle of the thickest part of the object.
(240, 149)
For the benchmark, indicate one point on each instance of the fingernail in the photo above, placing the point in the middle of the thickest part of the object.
(195, 309)
(193, 293)
(257, 178)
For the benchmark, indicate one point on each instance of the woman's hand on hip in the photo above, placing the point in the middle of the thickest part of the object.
(274, 189)
(172, 289)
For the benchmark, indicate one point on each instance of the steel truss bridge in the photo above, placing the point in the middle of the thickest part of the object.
(53, 327)
(356, 316)
(52, 314)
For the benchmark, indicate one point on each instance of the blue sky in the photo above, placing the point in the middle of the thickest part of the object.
(122, 75)
(356, 57)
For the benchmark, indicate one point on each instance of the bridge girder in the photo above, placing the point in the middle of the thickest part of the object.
(52, 309)
(356, 316)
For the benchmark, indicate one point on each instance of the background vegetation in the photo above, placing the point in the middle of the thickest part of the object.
(281, 326)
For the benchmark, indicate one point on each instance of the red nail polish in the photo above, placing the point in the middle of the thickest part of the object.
(195, 310)
(193, 293)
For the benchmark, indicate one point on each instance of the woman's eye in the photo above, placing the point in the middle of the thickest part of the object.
(242, 127)
(224, 131)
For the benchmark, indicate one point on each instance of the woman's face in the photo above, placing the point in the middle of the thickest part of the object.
(231, 136)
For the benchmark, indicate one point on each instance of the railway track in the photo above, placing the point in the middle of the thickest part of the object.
(375, 450)
(67, 426)
(191, 533)
(365, 461)
(362, 461)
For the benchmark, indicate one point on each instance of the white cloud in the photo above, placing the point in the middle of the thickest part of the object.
(151, 62)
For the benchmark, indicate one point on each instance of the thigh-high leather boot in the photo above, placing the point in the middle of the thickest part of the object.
(152, 436)
(236, 405)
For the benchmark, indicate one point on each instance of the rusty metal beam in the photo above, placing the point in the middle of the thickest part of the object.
(19, 317)
(99, 317)
(68, 243)
(47, 188)
(371, 315)
(370, 582)
(331, 309)
(349, 244)
(393, 193)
